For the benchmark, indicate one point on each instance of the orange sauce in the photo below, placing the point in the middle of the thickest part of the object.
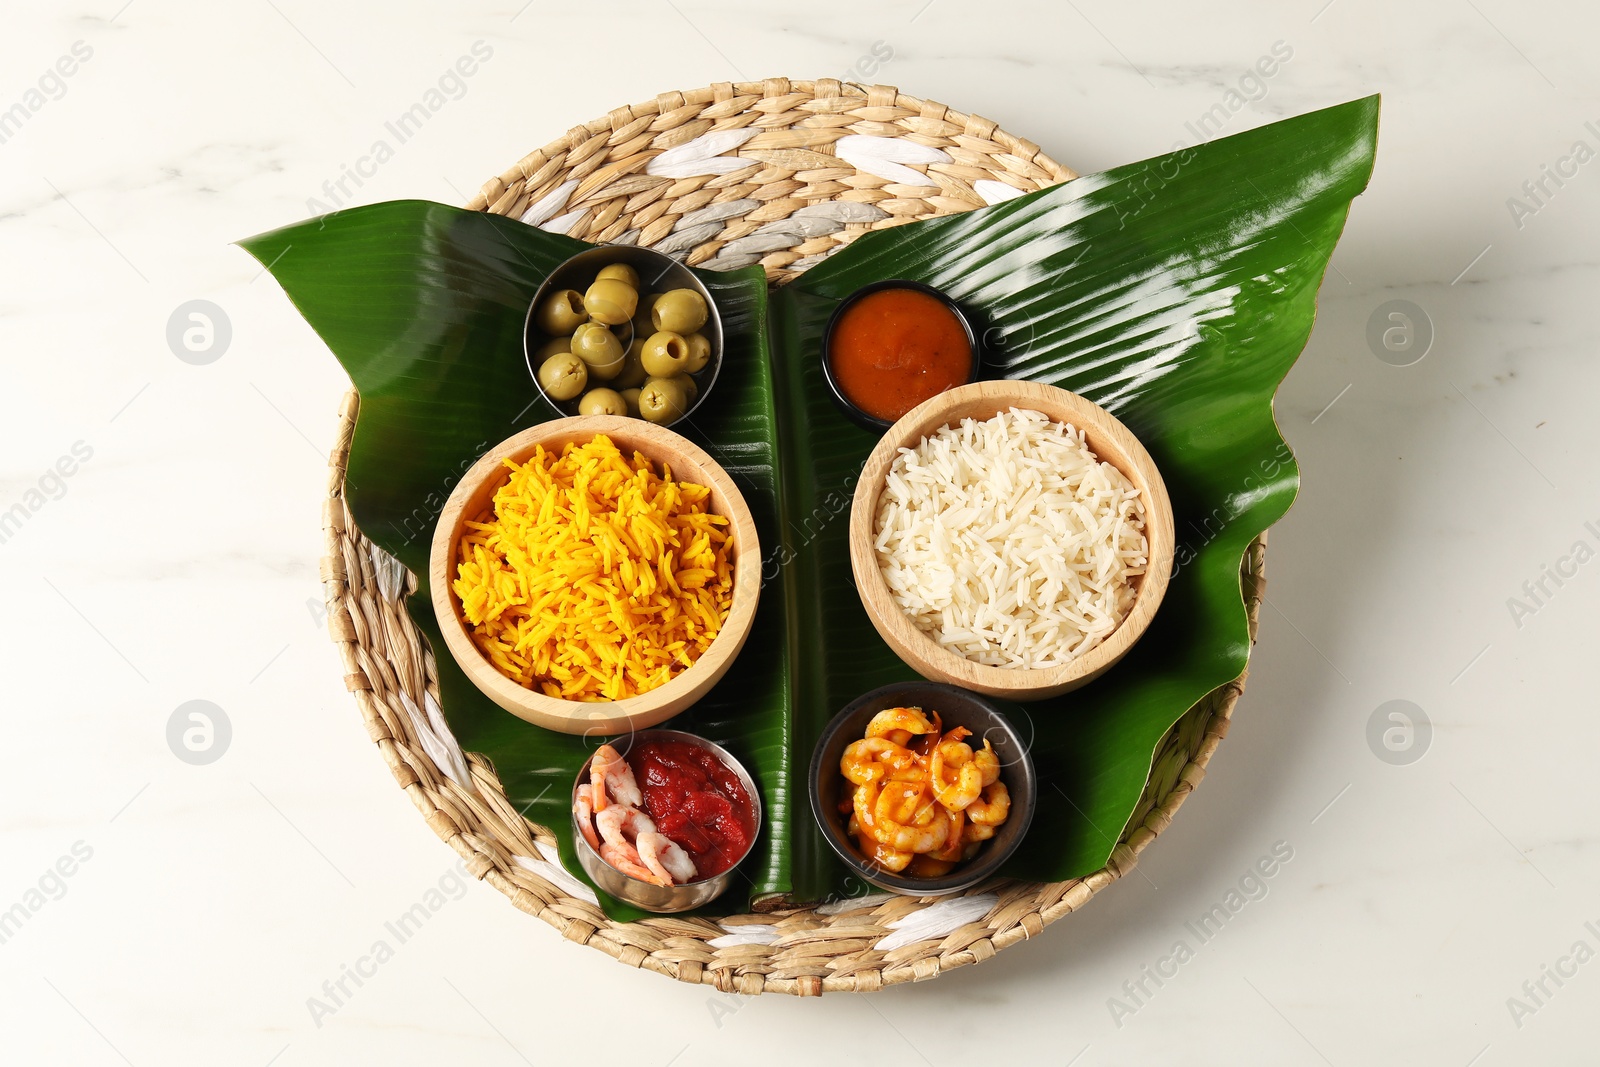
(895, 348)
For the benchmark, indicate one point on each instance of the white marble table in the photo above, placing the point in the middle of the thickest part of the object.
(177, 560)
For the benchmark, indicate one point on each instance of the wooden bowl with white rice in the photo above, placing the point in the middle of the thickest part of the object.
(1011, 538)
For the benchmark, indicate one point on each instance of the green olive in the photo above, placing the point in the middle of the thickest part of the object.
(664, 354)
(662, 400)
(551, 347)
(633, 372)
(679, 311)
(630, 397)
(563, 376)
(605, 372)
(596, 345)
(602, 402)
(561, 313)
(611, 301)
(690, 390)
(621, 272)
(600, 351)
(642, 326)
(699, 352)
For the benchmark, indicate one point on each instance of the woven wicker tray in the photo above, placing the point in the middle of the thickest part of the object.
(595, 183)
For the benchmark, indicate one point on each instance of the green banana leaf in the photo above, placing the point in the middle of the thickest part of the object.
(1176, 292)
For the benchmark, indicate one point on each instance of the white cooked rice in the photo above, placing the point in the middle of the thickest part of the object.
(1009, 542)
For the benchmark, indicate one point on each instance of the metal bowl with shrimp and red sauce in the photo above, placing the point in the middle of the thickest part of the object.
(662, 818)
(922, 788)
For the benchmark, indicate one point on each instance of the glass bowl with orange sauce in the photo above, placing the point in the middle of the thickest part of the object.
(893, 344)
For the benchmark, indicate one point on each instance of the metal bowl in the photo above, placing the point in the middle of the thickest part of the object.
(664, 899)
(956, 707)
(657, 272)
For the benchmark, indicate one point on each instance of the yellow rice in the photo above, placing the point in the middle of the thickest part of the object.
(591, 578)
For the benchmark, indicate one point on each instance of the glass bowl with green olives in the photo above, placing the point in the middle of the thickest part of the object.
(619, 330)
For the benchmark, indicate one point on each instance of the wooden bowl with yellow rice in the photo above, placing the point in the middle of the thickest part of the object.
(573, 574)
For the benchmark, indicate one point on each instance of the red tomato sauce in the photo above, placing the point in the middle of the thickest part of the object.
(895, 348)
(697, 801)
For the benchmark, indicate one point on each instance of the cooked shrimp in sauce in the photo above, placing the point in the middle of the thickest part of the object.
(920, 799)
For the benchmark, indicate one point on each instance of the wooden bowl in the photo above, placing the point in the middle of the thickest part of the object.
(1111, 441)
(474, 496)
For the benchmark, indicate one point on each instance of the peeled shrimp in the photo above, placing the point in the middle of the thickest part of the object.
(993, 808)
(899, 724)
(622, 825)
(584, 809)
(663, 856)
(954, 839)
(911, 838)
(906, 802)
(610, 773)
(952, 752)
(890, 859)
(869, 759)
(898, 836)
(625, 858)
(987, 762)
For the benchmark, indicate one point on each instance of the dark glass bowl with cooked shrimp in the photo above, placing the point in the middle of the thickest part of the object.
(662, 818)
(922, 788)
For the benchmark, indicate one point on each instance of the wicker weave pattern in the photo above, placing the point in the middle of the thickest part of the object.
(388, 663)
(790, 165)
